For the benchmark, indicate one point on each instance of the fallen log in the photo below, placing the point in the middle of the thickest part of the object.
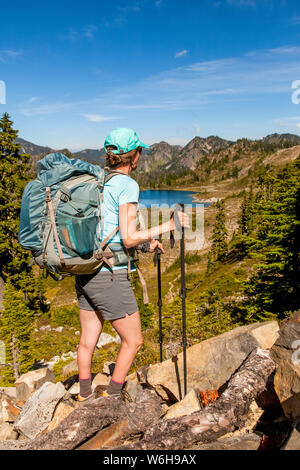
(86, 420)
(226, 414)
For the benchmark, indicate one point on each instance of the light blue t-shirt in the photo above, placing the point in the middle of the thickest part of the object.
(120, 189)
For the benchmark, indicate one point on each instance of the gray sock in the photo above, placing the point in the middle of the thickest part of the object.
(114, 388)
(85, 387)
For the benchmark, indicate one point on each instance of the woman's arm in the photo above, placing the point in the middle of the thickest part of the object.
(127, 225)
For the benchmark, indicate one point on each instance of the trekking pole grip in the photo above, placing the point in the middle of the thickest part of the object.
(179, 207)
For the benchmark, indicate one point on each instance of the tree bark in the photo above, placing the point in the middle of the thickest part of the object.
(142, 417)
(224, 415)
(89, 418)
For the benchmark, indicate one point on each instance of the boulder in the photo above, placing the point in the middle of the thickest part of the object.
(100, 379)
(9, 409)
(132, 386)
(28, 383)
(211, 363)
(70, 368)
(74, 390)
(106, 338)
(108, 368)
(59, 329)
(293, 442)
(62, 410)
(8, 391)
(286, 353)
(186, 406)
(38, 410)
(7, 432)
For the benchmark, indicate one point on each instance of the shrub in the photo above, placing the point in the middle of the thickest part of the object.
(65, 316)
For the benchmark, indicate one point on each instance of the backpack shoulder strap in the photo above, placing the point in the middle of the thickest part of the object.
(112, 173)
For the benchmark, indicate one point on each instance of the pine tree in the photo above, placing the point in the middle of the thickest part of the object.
(24, 294)
(246, 217)
(219, 236)
(274, 288)
(13, 178)
(16, 329)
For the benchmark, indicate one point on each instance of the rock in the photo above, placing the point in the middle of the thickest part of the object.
(211, 363)
(105, 338)
(186, 406)
(70, 368)
(74, 390)
(38, 410)
(242, 442)
(132, 386)
(7, 432)
(100, 379)
(9, 409)
(61, 412)
(77, 333)
(69, 355)
(286, 353)
(293, 442)
(28, 383)
(45, 328)
(142, 373)
(52, 362)
(59, 329)
(108, 368)
(9, 391)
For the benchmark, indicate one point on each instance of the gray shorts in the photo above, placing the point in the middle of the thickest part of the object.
(113, 297)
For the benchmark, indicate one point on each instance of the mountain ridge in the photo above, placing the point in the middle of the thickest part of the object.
(163, 156)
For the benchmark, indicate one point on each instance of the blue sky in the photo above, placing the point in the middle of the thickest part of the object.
(170, 69)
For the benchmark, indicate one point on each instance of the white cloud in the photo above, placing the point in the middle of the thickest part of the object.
(192, 87)
(98, 117)
(32, 99)
(8, 53)
(181, 53)
(298, 124)
(86, 32)
(45, 109)
(11, 52)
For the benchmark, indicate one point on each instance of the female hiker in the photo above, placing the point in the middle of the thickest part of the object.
(102, 296)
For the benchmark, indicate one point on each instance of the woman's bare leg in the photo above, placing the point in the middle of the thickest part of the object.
(91, 327)
(129, 330)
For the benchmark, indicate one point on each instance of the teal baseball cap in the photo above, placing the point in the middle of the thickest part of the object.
(124, 140)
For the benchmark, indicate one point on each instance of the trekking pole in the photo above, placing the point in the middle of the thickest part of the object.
(156, 260)
(183, 290)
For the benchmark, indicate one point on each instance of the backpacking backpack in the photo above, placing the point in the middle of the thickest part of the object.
(61, 217)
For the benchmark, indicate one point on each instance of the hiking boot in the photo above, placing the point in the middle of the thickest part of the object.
(84, 399)
(123, 395)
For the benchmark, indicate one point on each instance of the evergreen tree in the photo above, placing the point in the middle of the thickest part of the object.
(13, 178)
(16, 328)
(274, 288)
(246, 217)
(219, 236)
(24, 292)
